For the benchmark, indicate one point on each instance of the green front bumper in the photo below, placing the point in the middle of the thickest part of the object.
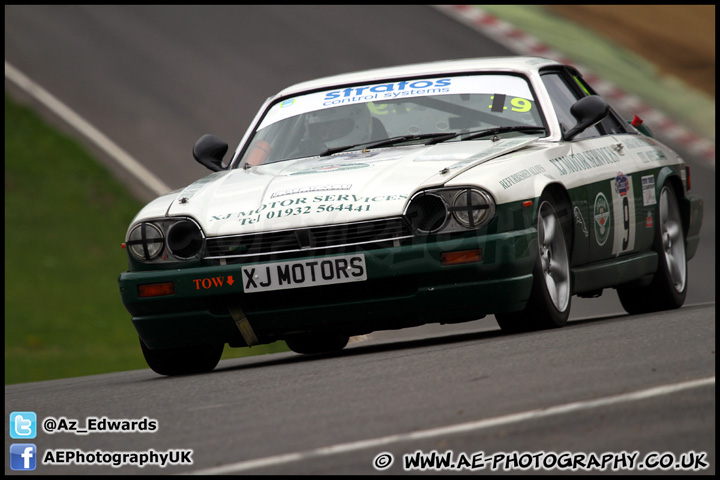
(405, 286)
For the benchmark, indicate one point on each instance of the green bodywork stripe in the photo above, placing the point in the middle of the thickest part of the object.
(581, 85)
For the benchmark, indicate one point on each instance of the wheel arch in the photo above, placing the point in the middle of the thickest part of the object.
(564, 209)
(670, 177)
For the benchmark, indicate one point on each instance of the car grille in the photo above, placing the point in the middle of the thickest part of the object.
(308, 239)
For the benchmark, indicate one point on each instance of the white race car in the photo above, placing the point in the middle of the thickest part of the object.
(396, 197)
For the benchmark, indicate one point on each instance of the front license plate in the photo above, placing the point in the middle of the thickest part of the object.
(304, 273)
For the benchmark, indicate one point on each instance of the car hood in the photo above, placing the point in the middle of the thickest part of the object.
(350, 187)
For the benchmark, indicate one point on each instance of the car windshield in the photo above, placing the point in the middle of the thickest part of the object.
(426, 110)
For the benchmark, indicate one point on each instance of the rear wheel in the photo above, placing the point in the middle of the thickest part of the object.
(669, 286)
(549, 303)
(317, 343)
(182, 360)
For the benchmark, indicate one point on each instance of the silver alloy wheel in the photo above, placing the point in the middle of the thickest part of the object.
(553, 257)
(673, 243)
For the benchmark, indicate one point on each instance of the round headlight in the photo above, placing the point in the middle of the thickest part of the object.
(473, 208)
(427, 213)
(184, 239)
(145, 241)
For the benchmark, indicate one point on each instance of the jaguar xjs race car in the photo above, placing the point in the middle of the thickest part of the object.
(396, 197)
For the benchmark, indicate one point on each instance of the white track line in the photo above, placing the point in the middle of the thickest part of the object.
(91, 133)
(455, 429)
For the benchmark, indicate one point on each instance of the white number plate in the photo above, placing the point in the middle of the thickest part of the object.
(304, 273)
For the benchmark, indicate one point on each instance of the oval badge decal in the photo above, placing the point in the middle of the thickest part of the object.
(601, 215)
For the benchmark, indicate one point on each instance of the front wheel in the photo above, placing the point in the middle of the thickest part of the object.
(182, 360)
(549, 303)
(669, 285)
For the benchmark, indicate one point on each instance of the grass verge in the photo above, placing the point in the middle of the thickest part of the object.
(65, 220)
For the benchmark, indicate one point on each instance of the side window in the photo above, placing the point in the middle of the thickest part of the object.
(563, 97)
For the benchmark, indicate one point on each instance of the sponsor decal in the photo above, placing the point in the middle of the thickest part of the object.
(300, 206)
(580, 220)
(502, 86)
(287, 103)
(581, 161)
(651, 156)
(523, 174)
(389, 90)
(601, 216)
(639, 142)
(621, 184)
(213, 282)
(648, 190)
(649, 220)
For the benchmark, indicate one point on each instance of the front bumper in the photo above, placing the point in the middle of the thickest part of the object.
(406, 286)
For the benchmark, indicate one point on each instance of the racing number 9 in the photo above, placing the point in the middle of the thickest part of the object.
(520, 105)
(626, 222)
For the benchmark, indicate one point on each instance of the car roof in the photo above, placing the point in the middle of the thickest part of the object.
(526, 65)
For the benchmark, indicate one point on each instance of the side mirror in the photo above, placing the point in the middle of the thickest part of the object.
(588, 111)
(209, 151)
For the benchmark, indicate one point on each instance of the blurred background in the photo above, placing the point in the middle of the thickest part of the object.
(678, 39)
(86, 85)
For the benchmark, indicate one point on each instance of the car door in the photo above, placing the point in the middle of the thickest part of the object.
(599, 174)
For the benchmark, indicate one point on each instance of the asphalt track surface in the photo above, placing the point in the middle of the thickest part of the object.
(154, 79)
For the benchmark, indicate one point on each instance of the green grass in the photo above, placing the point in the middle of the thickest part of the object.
(65, 221)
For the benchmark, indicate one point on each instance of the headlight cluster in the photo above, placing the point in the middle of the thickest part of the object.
(445, 210)
(165, 240)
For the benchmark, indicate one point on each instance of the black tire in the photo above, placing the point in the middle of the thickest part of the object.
(317, 343)
(550, 298)
(182, 360)
(669, 285)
